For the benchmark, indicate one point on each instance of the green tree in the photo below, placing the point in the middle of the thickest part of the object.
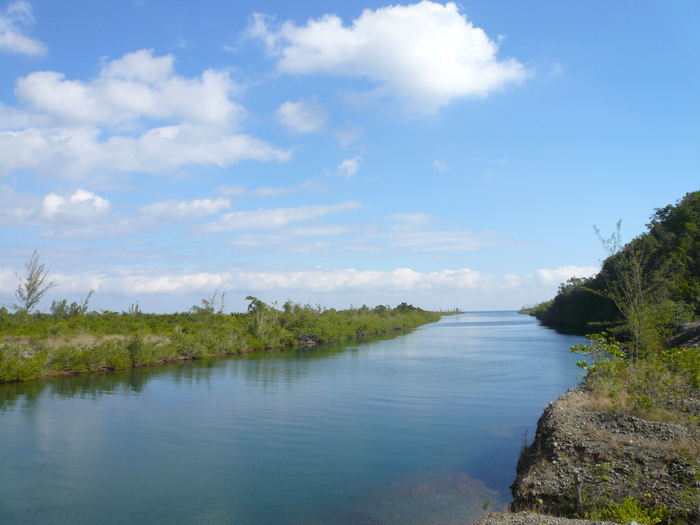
(632, 282)
(209, 305)
(33, 285)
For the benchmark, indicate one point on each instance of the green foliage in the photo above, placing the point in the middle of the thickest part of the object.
(657, 388)
(684, 362)
(209, 305)
(90, 341)
(629, 509)
(646, 288)
(600, 347)
(21, 362)
(61, 309)
(33, 285)
(536, 310)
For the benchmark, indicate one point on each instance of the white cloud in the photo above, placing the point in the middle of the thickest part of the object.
(232, 191)
(410, 232)
(427, 53)
(292, 239)
(138, 85)
(265, 192)
(441, 166)
(75, 152)
(12, 40)
(268, 192)
(166, 122)
(415, 232)
(278, 217)
(315, 280)
(14, 119)
(348, 134)
(79, 209)
(561, 274)
(546, 281)
(439, 241)
(333, 280)
(462, 287)
(556, 71)
(16, 208)
(348, 167)
(173, 210)
(303, 116)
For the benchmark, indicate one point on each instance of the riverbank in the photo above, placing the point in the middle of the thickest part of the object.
(40, 345)
(611, 461)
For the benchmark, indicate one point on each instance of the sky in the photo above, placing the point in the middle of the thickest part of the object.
(448, 155)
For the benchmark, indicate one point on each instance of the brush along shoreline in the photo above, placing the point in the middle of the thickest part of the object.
(39, 345)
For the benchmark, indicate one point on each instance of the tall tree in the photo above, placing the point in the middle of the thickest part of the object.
(632, 283)
(33, 285)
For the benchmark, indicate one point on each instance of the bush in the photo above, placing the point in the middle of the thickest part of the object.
(20, 362)
(629, 510)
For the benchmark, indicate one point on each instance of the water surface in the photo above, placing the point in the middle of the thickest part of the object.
(422, 428)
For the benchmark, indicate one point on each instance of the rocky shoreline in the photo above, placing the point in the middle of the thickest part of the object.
(613, 456)
(531, 518)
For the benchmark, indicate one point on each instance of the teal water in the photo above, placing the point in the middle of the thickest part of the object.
(421, 428)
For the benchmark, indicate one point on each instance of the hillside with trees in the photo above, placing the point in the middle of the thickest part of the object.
(628, 439)
(646, 288)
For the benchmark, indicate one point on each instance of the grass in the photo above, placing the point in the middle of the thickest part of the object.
(662, 388)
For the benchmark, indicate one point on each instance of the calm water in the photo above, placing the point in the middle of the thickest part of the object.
(418, 429)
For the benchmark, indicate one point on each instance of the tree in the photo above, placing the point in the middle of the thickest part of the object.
(632, 282)
(209, 305)
(33, 285)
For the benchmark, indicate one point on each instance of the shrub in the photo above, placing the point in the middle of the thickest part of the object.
(21, 363)
(629, 510)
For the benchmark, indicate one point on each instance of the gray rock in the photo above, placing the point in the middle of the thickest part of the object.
(688, 336)
(617, 456)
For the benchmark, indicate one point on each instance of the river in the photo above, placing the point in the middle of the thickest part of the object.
(422, 428)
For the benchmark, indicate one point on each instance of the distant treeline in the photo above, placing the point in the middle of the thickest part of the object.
(72, 339)
(645, 289)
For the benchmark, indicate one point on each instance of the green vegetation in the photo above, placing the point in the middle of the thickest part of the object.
(33, 284)
(645, 290)
(629, 510)
(636, 471)
(536, 310)
(664, 387)
(70, 339)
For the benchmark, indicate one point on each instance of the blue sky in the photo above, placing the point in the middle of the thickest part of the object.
(337, 153)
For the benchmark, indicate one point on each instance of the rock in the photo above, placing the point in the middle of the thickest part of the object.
(531, 518)
(617, 456)
(688, 336)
